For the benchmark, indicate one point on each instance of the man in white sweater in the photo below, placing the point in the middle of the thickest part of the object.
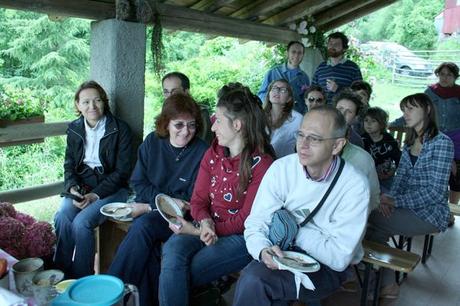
(297, 183)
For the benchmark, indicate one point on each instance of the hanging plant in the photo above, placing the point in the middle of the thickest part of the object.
(157, 46)
(311, 36)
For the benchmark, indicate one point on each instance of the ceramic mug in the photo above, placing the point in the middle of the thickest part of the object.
(24, 271)
(43, 285)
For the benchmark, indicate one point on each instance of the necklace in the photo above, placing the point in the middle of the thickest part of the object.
(175, 150)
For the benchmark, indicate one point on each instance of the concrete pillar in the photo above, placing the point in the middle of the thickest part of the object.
(118, 64)
(311, 59)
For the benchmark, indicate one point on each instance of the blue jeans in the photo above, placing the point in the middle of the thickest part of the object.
(187, 262)
(277, 287)
(75, 231)
(138, 257)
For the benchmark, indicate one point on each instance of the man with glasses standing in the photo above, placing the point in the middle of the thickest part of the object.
(297, 183)
(337, 72)
(177, 82)
(291, 72)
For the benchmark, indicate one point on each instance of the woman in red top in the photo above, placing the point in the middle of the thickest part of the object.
(227, 182)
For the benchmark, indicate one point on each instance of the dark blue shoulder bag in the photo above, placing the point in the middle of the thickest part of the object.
(284, 227)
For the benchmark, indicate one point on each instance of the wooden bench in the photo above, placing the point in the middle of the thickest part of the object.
(454, 209)
(382, 256)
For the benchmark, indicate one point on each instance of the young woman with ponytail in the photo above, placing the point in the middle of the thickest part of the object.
(227, 182)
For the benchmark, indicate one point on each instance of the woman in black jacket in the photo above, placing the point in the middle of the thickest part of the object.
(96, 171)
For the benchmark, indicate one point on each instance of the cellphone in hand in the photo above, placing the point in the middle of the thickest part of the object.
(71, 196)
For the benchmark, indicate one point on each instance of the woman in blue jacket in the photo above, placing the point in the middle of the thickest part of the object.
(96, 171)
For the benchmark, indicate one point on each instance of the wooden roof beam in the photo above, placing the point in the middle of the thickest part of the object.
(172, 17)
(340, 10)
(300, 10)
(178, 18)
(81, 9)
(259, 8)
(365, 10)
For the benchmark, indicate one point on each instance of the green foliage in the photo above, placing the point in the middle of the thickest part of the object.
(40, 60)
(16, 104)
(407, 22)
(369, 67)
(51, 58)
(30, 165)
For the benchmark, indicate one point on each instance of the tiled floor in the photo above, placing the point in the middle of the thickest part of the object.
(436, 283)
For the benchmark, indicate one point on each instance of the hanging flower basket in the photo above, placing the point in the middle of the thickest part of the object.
(17, 107)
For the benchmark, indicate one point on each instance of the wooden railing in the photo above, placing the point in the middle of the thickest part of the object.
(28, 132)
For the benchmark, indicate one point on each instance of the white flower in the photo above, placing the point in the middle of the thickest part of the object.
(302, 31)
(292, 26)
(302, 25)
(312, 29)
(305, 41)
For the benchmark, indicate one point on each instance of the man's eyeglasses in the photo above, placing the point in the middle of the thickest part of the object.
(315, 100)
(180, 125)
(310, 139)
(167, 93)
(282, 90)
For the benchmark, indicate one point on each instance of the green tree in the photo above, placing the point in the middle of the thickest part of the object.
(407, 22)
(51, 58)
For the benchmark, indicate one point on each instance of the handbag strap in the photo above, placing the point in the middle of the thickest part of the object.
(336, 177)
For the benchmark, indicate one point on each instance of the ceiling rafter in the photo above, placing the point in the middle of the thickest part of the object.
(365, 10)
(340, 10)
(260, 8)
(300, 10)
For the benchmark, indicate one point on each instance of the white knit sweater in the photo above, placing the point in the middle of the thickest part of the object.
(334, 235)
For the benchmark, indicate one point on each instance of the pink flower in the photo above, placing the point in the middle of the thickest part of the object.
(39, 239)
(11, 236)
(25, 219)
(7, 210)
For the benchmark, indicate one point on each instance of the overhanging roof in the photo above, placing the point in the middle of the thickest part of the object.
(265, 20)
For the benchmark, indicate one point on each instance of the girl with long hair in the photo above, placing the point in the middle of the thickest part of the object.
(227, 182)
(283, 120)
(417, 202)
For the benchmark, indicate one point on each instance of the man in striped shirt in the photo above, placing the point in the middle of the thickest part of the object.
(337, 72)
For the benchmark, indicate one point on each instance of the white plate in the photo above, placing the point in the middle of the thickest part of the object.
(168, 208)
(297, 261)
(117, 210)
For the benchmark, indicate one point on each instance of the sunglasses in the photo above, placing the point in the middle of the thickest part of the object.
(180, 125)
(316, 100)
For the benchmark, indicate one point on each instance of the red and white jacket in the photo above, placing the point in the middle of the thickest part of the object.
(216, 190)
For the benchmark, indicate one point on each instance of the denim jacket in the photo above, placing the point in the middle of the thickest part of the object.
(447, 111)
(115, 151)
(422, 187)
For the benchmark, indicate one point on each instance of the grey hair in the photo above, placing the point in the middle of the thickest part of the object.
(340, 127)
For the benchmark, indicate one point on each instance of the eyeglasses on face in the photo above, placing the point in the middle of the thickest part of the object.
(167, 93)
(315, 100)
(311, 139)
(179, 125)
(277, 89)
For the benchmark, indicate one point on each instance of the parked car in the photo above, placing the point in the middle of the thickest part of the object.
(395, 56)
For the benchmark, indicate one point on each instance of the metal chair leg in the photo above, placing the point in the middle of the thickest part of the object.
(365, 284)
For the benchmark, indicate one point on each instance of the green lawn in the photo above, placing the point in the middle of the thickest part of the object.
(42, 210)
(388, 96)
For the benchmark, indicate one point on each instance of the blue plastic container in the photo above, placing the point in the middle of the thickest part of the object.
(94, 290)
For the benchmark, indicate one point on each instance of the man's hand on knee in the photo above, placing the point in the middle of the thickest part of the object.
(266, 256)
